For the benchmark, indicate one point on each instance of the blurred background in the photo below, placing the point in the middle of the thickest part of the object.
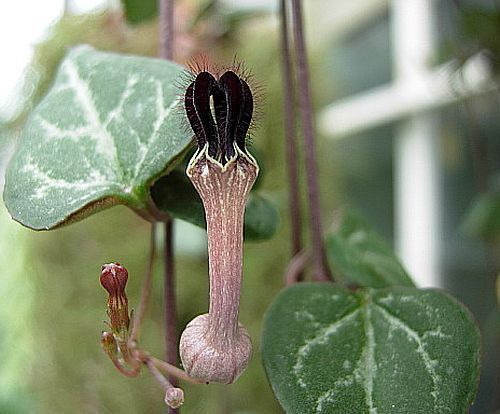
(407, 104)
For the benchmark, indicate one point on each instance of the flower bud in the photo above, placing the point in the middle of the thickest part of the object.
(114, 279)
(174, 397)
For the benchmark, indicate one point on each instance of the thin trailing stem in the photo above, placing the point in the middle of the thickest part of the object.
(290, 134)
(166, 29)
(146, 288)
(166, 24)
(165, 384)
(169, 297)
(174, 371)
(296, 267)
(320, 270)
(128, 372)
(174, 397)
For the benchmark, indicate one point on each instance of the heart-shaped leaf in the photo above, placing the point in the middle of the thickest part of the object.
(104, 132)
(175, 195)
(359, 255)
(394, 350)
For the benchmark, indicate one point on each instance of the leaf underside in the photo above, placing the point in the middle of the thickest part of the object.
(361, 257)
(175, 195)
(105, 131)
(395, 350)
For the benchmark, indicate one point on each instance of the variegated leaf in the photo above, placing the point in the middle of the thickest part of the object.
(394, 350)
(104, 132)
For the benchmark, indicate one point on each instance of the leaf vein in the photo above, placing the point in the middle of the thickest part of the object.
(429, 363)
(162, 115)
(319, 339)
(367, 371)
(105, 142)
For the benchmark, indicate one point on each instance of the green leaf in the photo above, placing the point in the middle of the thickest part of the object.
(137, 11)
(359, 255)
(175, 195)
(105, 131)
(395, 350)
(482, 220)
(261, 218)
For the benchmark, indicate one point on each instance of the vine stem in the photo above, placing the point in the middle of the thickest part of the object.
(166, 27)
(165, 384)
(146, 287)
(320, 270)
(174, 371)
(170, 303)
(290, 135)
(296, 267)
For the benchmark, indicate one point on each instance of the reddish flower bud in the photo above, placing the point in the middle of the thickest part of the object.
(114, 279)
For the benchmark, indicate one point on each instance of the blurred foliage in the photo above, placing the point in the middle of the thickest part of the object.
(482, 220)
(474, 29)
(491, 363)
(359, 256)
(480, 27)
(16, 294)
(138, 10)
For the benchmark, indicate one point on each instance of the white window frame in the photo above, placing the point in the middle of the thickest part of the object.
(415, 91)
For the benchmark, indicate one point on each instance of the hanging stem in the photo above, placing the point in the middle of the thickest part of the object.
(166, 52)
(165, 384)
(169, 297)
(290, 135)
(166, 29)
(174, 397)
(146, 288)
(174, 371)
(320, 270)
(296, 266)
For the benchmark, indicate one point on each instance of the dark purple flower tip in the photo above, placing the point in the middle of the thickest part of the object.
(229, 100)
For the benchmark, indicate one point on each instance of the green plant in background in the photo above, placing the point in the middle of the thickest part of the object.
(109, 132)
